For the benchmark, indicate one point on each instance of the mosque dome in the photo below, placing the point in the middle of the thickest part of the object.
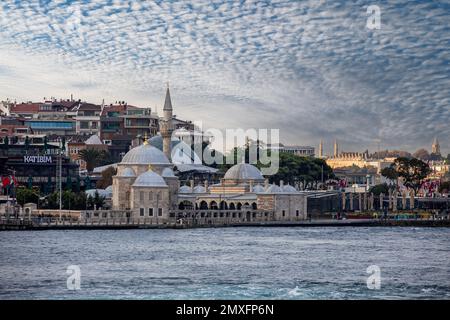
(94, 139)
(185, 189)
(258, 188)
(289, 189)
(199, 189)
(273, 188)
(168, 173)
(128, 172)
(149, 179)
(243, 171)
(181, 152)
(145, 154)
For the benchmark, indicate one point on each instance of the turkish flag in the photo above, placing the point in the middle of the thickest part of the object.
(5, 181)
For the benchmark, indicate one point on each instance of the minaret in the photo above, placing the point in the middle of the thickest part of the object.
(321, 149)
(435, 147)
(166, 124)
(336, 149)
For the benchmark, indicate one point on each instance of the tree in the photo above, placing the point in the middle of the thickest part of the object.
(422, 154)
(413, 171)
(106, 179)
(94, 158)
(444, 187)
(25, 195)
(379, 189)
(70, 200)
(390, 173)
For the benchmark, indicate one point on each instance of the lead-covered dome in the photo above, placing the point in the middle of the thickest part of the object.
(258, 189)
(244, 171)
(128, 173)
(145, 154)
(149, 179)
(289, 189)
(273, 188)
(168, 173)
(185, 189)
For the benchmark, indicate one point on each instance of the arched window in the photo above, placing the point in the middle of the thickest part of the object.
(213, 205)
(254, 206)
(223, 205)
(186, 205)
(239, 206)
(203, 205)
(232, 206)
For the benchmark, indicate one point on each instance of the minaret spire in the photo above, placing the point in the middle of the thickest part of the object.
(166, 124)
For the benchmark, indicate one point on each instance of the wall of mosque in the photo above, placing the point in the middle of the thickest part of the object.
(150, 202)
(121, 192)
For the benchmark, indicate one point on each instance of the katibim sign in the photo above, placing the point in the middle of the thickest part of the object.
(37, 159)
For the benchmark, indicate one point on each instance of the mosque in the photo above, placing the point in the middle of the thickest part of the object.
(146, 187)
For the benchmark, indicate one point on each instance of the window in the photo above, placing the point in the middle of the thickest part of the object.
(141, 196)
(141, 212)
(150, 196)
(284, 213)
(150, 212)
(296, 213)
(94, 125)
(84, 125)
(159, 212)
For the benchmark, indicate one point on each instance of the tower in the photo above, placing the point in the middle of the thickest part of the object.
(166, 124)
(321, 149)
(435, 147)
(336, 149)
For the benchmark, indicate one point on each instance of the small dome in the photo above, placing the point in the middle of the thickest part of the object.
(145, 154)
(149, 179)
(94, 139)
(243, 171)
(289, 189)
(108, 189)
(273, 188)
(258, 188)
(128, 172)
(199, 189)
(168, 173)
(185, 189)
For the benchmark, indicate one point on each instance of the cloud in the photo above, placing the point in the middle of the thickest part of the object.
(310, 68)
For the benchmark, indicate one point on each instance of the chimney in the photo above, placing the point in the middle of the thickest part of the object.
(192, 185)
(251, 186)
(206, 186)
(281, 183)
(266, 183)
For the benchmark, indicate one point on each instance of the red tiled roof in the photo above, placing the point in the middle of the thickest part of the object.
(26, 107)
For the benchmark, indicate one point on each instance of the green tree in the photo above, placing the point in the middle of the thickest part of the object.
(390, 173)
(379, 189)
(92, 158)
(413, 171)
(25, 195)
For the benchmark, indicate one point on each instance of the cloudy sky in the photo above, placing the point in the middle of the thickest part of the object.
(310, 68)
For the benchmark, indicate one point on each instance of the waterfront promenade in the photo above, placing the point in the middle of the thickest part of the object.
(116, 224)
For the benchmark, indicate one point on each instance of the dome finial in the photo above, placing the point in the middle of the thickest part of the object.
(145, 139)
(150, 167)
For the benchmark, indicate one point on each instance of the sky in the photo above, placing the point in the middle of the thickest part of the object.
(312, 69)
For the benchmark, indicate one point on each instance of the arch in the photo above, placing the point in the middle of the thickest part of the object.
(231, 206)
(213, 205)
(223, 205)
(203, 205)
(186, 205)
(239, 206)
(254, 206)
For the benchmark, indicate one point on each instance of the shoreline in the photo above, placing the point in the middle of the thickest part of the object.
(275, 224)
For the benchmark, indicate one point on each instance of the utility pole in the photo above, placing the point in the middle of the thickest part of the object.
(60, 179)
